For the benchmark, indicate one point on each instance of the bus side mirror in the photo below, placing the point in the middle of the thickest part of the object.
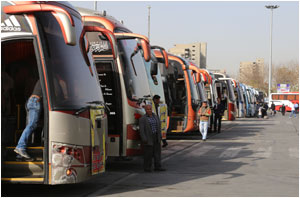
(198, 77)
(146, 50)
(63, 17)
(154, 68)
(144, 43)
(163, 53)
(108, 34)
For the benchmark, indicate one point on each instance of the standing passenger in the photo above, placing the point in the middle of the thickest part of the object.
(150, 131)
(219, 110)
(283, 109)
(205, 113)
(296, 107)
(34, 108)
(156, 100)
(272, 109)
(293, 110)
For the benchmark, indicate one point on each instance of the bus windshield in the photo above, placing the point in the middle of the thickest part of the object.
(230, 91)
(249, 96)
(240, 94)
(155, 82)
(203, 93)
(70, 81)
(134, 74)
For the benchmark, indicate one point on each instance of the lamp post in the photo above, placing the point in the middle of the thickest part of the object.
(95, 5)
(149, 7)
(271, 7)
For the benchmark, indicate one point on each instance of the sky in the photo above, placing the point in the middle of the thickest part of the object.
(234, 31)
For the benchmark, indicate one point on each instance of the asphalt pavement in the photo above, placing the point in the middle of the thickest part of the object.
(250, 157)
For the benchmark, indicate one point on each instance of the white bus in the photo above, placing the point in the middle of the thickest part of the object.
(42, 41)
(285, 98)
(128, 81)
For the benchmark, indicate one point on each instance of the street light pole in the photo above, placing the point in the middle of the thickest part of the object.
(271, 7)
(149, 7)
(95, 5)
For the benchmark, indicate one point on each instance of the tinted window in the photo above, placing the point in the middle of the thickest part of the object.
(70, 81)
(135, 76)
(202, 92)
(230, 90)
(194, 92)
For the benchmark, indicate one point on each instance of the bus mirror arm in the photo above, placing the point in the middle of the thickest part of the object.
(153, 69)
(143, 99)
(164, 55)
(83, 50)
(63, 17)
(79, 111)
(144, 42)
(107, 109)
(106, 35)
(131, 59)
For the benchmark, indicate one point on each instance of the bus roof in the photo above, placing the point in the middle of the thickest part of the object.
(109, 22)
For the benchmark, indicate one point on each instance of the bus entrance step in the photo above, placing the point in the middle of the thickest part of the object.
(36, 153)
(26, 179)
(22, 169)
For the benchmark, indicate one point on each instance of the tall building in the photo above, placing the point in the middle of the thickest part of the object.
(250, 68)
(195, 52)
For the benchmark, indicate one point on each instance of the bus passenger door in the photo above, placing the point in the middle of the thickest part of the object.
(98, 139)
(110, 85)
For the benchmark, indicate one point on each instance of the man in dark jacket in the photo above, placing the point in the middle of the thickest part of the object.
(283, 109)
(219, 111)
(272, 109)
(150, 132)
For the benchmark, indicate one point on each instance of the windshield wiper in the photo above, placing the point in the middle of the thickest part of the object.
(131, 56)
(143, 99)
(79, 111)
(98, 102)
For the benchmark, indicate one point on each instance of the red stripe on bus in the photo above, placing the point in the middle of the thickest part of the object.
(132, 134)
(133, 104)
(231, 109)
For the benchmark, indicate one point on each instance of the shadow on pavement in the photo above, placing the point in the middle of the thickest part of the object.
(184, 161)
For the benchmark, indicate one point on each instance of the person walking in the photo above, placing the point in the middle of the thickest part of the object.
(156, 100)
(272, 109)
(150, 132)
(292, 106)
(205, 113)
(34, 108)
(296, 107)
(218, 111)
(283, 109)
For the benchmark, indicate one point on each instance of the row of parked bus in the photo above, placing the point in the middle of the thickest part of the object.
(96, 76)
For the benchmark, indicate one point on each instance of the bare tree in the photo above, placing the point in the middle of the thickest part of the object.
(287, 73)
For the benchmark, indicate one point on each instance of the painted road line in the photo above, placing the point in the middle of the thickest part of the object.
(230, 153)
